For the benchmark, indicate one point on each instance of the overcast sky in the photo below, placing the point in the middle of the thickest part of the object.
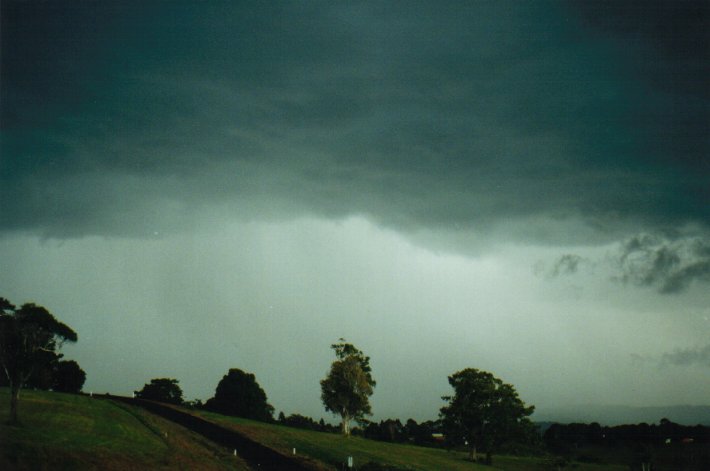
(517, 186)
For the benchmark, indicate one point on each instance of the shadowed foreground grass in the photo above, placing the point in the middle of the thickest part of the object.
(65, 431)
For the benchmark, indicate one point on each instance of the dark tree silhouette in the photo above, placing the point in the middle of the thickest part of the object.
(240, 395)
(162, 390)
(483, 412)
(43, 376)
(68, 377)
(56, 374)
(389, 430)
(299, 421)
(29, 339)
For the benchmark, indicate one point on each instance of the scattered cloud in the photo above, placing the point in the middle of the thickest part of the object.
(566, 265)
(668, 265)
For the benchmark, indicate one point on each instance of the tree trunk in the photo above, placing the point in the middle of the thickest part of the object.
(346, 425)
(473, 456)
(14, 400)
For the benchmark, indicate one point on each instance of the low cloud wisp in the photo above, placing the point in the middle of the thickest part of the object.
(668, 265)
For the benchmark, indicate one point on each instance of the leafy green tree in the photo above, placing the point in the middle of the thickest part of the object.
(240, 395)
(162, 390)
(29, 339)
(346, 389)
(483, 412)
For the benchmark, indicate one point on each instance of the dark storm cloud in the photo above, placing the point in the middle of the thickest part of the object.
(672, 43)
(673, 33)
(669, 265)
(118, 118)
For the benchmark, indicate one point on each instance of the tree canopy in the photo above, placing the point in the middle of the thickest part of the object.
(57, 375)
(346, 389)
(240, 395)
(29, 339)
(162, 390)
(483, 412)
(68, 377)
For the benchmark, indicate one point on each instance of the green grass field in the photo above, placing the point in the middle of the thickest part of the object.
(72, 432)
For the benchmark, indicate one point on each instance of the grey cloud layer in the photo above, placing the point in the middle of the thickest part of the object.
(118, 119)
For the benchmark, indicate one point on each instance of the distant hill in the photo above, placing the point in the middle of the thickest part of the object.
(618, 415)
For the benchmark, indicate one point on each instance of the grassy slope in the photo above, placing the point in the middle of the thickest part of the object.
(334, 449)
(63, 431)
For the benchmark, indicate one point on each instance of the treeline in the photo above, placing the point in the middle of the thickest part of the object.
(483, 415)
(306, 423)
(428, 433)
(666, 446)
(561, 438)
(239, 394)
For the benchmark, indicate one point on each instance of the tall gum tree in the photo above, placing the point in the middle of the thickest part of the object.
(29, 339)
(346, 389)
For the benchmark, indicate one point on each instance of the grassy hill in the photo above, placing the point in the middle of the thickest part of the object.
(64, 431)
